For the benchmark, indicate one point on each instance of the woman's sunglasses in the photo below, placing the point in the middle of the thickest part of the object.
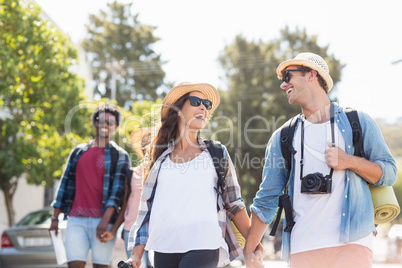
(195, 101)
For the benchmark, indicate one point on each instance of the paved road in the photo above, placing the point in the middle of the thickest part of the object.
(379, 257)
(281, 264)
(380, 249)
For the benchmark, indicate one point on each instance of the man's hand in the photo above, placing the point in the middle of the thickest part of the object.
(101, 229)
(336, 158)
(254, 259)
(54, 226)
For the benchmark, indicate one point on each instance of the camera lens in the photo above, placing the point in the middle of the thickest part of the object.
(312, 182)
(123, 264)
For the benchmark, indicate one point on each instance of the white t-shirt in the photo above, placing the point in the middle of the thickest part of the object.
(184, 212)
(318, 216)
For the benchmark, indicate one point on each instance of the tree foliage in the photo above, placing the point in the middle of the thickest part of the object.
(141, 115)
(253, 106)
(37, 90)
(122, 59)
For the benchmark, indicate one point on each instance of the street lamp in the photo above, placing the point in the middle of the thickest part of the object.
(115, 68)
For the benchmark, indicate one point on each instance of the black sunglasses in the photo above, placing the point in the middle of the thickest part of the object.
(103, 121)
(195, 101)
(286, 77)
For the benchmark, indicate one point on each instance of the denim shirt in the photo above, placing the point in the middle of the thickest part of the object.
(357, 216)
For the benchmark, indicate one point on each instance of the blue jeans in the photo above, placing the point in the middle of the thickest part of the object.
(145, 263)
(190, 259)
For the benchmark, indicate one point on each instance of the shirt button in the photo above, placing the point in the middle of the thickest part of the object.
(349, 146)
(348, 179)
(343, 214)
(343, 130)
(337, 121)
(346, 196)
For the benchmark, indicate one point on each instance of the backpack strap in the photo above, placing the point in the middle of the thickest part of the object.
(216, 151)
(284, 203)
(357, 131)
(287, 133)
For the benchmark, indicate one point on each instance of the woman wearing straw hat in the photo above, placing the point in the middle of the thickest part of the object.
(178, 216)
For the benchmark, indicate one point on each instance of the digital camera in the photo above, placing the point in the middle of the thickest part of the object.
(316, 183)
(123, 264)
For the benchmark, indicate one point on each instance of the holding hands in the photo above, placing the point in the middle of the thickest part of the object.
(254, 259)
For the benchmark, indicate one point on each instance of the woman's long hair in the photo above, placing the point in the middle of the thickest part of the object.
(168, 130)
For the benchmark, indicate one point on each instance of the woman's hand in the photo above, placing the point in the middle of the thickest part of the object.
(107, 236)
(135, 261)
(254, 258)
(136, 255)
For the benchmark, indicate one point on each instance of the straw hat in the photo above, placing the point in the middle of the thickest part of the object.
(310, 60)
(139, 139)
(176, 92)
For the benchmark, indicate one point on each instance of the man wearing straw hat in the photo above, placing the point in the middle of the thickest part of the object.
(333, 221)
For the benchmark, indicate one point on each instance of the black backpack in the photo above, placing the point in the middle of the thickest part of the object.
(221, 166)
(288, 151)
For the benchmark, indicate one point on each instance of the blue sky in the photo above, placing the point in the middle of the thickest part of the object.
(364, 35)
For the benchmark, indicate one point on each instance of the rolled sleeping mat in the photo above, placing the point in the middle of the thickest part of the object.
(386, 207)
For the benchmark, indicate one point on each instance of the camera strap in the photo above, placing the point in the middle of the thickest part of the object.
(332, 119)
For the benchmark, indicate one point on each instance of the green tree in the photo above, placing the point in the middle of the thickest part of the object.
(37, 91)
(124, 65)
(253, 106)
(141, 115)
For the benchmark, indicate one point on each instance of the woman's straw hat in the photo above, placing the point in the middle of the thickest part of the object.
(310, 60)
(175, 93)
(139, 139)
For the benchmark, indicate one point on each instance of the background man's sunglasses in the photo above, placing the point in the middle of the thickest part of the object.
(195, 101)
(103, 121)
(286, 76)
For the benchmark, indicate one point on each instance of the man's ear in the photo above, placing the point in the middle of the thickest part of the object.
(313, 74)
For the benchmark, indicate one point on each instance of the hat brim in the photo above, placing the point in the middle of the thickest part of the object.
(209, 91)
(136, 140)
(282, 66)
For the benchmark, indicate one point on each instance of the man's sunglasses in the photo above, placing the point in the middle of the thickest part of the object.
(286, 77)
(103, 121)
(195, 101)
